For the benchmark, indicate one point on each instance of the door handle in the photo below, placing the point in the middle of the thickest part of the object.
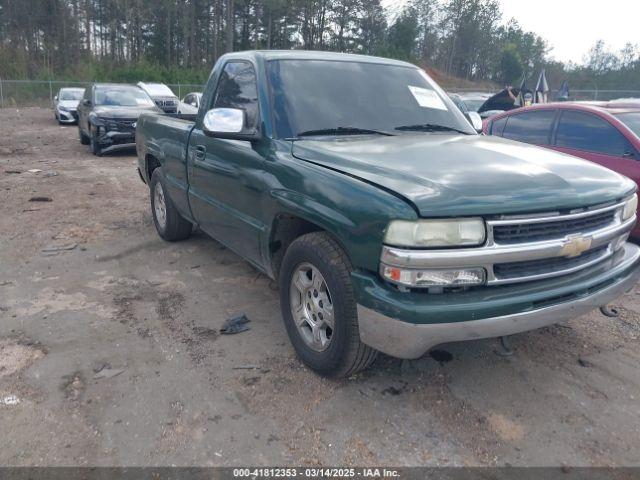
(201, 152)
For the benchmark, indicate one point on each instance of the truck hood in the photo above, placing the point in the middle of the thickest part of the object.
(450, 175)
(124, 112)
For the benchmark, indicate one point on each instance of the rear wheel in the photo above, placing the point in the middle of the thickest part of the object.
(170, 225)
(319, 308)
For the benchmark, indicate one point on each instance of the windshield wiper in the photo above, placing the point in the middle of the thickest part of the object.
(344, 131)
(429, 127)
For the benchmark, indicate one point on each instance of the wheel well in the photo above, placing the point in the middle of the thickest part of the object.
(286, 228)
(152, 163)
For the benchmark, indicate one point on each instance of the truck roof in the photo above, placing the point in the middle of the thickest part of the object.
(316, 55)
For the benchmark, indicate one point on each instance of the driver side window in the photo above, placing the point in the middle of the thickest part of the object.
(237, 89)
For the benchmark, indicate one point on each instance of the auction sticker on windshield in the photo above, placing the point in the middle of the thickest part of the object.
(427, 98)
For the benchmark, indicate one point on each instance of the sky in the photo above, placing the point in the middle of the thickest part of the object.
(572, 27)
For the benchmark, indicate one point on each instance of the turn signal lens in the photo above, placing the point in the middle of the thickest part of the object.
(434, 277)
(630, 208)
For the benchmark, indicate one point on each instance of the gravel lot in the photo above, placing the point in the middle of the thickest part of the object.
(110, 352)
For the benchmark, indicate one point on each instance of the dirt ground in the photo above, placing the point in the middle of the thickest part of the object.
(110, 352)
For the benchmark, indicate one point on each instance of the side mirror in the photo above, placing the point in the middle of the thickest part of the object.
(55, 99)
(228, 123)
(475, 120)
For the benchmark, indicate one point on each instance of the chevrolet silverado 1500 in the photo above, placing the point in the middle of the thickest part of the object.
(389, 224)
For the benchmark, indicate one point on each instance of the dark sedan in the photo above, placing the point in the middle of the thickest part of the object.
(607, 133)
(107, 116)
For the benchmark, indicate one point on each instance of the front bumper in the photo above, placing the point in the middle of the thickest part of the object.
(407, 325)
(69, 116)
(113, 140)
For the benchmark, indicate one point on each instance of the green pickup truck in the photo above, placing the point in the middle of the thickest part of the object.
(389, 224)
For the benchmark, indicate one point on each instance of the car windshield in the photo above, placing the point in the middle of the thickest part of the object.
(71, 94)
(321, 95)
(631, 120)
(122, 97)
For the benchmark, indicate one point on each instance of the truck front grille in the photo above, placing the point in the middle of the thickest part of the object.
(526, 248)
(535, 232)
(547, 266)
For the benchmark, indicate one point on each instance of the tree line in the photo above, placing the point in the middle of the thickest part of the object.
(178, 40)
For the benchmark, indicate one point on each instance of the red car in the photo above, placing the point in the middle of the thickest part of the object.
(607, 133)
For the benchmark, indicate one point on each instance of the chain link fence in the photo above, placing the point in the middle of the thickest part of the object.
(576, 95)
(40, 93)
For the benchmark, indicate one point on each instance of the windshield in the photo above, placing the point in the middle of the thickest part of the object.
(631, 120)
(123, 97)
(71, 94)
(317, 95)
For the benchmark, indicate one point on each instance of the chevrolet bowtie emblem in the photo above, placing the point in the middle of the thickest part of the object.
(575, 245)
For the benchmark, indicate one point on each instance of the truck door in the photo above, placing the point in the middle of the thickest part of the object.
(226, 176)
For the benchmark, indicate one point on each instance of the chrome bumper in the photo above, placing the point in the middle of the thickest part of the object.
(408, 340)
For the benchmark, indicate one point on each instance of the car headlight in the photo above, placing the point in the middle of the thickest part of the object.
(95, 120)
(630, 208)
(63, 109)
(436, 233)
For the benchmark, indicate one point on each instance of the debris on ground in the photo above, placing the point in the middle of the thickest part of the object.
(608, 311)
(41, 199)
(9, 401)
(59, 248)
(50, 173)
(246, 367)
(108, 372)
(235, 325)
(101, 366)
(34, 170)
(14, 172)
(584, 363)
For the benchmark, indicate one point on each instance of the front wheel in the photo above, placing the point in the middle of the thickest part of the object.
(319, 308)
(95, 146)
(170, 225)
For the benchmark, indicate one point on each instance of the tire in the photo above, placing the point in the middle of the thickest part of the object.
(173, 227)
(95, 147)
(84, 140)
(344, 354)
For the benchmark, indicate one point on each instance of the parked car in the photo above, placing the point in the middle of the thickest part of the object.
(472, 116)
(162, 95)
(65, 104)
(607, 133)
(190, 103)
(473, 101)
(389, 224)
(107, 115)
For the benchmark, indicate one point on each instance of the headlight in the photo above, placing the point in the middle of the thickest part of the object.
(434, 277)
(630, 208)
(95, 120)
(63, 109)
(436, 233)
